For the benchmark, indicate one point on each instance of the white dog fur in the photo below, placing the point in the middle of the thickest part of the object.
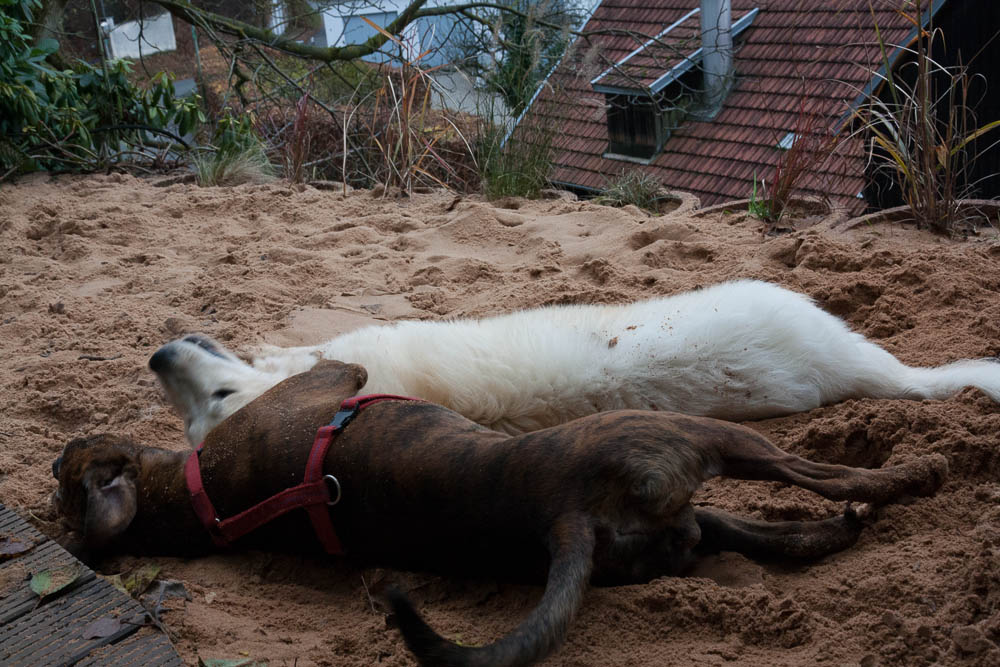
(739, 350)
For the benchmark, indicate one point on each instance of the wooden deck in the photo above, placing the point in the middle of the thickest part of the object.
(52, 632)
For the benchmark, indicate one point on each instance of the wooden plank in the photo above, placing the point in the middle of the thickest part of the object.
(146, 647)
(19, 599)
(10, 520)
(51, 633)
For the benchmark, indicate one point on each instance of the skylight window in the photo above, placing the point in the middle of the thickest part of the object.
(654, 88)
(786, 143)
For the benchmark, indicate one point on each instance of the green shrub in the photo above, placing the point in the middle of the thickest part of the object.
(760, 206)
(634, 187)
(517, 168)
(922, 132)
(813, 143)
(514, 160)
(237, 156)
(84, 118)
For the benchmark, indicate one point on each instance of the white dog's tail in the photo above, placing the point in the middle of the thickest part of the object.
(858, 368)
(943, 381)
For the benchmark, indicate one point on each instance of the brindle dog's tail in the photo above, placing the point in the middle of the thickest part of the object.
(572, 549)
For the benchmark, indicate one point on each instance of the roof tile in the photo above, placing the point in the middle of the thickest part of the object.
(799, 57)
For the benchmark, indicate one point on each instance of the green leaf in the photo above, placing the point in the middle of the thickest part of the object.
(116, 581)
(224, 662)
(47, 44)
(139, 580)
(47, 582)
(975, 135)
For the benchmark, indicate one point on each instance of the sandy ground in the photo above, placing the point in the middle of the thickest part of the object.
(112, 267)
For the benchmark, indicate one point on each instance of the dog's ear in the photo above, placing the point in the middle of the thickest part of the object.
(360, 373)
(328, 374)
(111, 502)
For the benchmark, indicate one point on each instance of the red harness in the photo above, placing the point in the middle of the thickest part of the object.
(313, 494)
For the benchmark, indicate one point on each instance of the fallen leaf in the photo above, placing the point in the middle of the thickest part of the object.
(166, 589)
(137, 581)
(153, 601)
(101, 628)
(116, 581)
(47, 582)
(12, 547)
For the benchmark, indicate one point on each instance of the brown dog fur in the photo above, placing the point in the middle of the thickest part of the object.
(603, 498)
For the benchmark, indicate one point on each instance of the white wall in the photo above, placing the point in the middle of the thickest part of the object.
(334, 17)
(340, 23)
(277, 22)
(157, 35)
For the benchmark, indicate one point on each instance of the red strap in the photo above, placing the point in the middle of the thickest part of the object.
(200, 500)
(319, 512)
(313, 493)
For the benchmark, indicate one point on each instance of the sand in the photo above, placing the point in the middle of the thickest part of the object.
(96, 272)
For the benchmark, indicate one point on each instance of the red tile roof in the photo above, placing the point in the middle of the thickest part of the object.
(798, 57)
(674, 48)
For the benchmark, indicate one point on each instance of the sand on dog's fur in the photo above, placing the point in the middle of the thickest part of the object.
(97, 272)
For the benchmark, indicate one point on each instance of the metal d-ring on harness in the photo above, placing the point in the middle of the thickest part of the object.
(336, 498)
(314, 494)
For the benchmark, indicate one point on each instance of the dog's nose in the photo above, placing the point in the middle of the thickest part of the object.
(55, 467)
(161, 359)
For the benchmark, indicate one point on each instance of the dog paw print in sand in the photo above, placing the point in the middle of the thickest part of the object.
(674, 245)
(667, 231)
(428, 275)
(599, 271)
(852, 301)
(406, 243)
(432, 300)
(482, 226)
(820, 254)
(460, 271)
(677, 255)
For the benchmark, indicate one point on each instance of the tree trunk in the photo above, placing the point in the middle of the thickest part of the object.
(48, 25)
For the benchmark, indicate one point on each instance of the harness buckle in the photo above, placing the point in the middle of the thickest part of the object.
(328, 479)
(225, 531)
(343, 417)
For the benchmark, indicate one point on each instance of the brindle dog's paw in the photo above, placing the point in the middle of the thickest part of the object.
(863, 514)
(929, 473)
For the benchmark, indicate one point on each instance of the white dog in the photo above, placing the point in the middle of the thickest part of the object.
(739, 350)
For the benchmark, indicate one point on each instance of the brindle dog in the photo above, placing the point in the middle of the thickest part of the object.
(604, 498)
